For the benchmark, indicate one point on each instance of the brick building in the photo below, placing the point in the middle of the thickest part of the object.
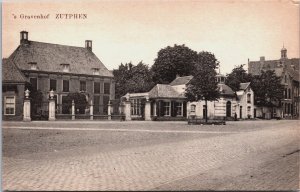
(64, 69)
(288, 70)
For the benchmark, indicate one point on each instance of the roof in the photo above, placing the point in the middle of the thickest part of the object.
(164, 91)
(181, 80)
(11, 73)
(255, 67)
(49, 57)
(225, 89)
(244, 86)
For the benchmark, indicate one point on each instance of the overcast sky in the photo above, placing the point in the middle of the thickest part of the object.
(124, 31)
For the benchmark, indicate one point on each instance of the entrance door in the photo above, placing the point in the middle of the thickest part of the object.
(241, 110)
(204, 111)
(228, 109)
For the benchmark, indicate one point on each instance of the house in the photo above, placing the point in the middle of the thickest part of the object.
(13, 87)
(162, 102)
(288, 70)
(228, 105)
(168, 102)
(64, 69)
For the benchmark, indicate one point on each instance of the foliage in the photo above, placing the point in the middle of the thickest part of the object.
(237, 76)
(36, 99)
(204, 86)
(132, 79)
(172, 61)
(267, 88)
(79, 100)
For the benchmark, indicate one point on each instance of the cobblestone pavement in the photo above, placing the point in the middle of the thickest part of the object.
(249, 155)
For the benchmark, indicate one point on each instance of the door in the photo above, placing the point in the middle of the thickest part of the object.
(228, 109)
(241, 110)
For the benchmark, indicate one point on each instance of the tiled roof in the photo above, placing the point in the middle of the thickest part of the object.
(255, 67)
(225, 89)
(244, 86)
(164, 91)
(11, 73)
(49, 57)
(181, 80)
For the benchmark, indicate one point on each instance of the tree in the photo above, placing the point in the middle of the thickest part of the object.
(79, 101)
(172, 61)
(132, 79)
(237, 76)
(268, 89)
(203, 86)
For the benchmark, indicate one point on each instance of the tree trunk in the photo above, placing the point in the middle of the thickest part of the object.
(206, 111)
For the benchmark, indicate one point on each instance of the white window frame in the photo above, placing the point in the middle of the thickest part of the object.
(179, 106)
(14, 105)
(136, 107)
(193, 108)
(167, 107)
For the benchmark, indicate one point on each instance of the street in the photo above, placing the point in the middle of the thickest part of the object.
(137, 155)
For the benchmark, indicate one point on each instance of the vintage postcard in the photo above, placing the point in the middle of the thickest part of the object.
(129, 95)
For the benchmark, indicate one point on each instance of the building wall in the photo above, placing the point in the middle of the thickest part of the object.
(19, 100)
(74, 85)
(243, 102)
(216, 109)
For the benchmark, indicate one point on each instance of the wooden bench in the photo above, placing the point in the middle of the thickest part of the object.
(198, 121)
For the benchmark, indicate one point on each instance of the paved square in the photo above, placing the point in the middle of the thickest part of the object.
(91, 155)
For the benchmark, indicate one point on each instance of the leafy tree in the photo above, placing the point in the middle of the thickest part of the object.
(132, 79)
(172, 61)
(79, 100)
(268, 89)
(36, 100)
(203, 86)
(237, 76)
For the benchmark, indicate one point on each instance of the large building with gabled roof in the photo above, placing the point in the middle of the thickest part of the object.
(64, 69)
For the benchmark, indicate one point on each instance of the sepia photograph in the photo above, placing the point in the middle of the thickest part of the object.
(150, 95)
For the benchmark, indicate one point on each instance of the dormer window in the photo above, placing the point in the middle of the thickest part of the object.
(65, 67)
(95, 71)
(33, 65)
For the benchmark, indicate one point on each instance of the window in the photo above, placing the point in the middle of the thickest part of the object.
(135, 107)
(96, 104)
(53, 84)
(105, 104)
(95, 71)
(248, 98)
(289, 93)
(285, 93)
(193, 108)
(10, 102)
(285, 78)
(106, 88)
(96, 87)
(33, 82)
(179, 108)
(249, 110)
(65, 67)
(167, 108)
(65, 85)
(82, 86)
(33, 66)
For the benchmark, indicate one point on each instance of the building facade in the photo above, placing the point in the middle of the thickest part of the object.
(64, 69)
(288, 70)
(168, 102)
(13, 87)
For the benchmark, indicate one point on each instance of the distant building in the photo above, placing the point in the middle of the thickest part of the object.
(288, 70)
(64, 69)
(168, 102)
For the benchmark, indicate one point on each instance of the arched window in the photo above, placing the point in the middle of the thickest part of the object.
(228, 109)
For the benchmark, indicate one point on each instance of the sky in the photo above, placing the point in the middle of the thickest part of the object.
(133, 31)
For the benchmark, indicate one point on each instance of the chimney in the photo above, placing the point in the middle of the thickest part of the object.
(262, 58)
(88, 45)
(24, 38)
